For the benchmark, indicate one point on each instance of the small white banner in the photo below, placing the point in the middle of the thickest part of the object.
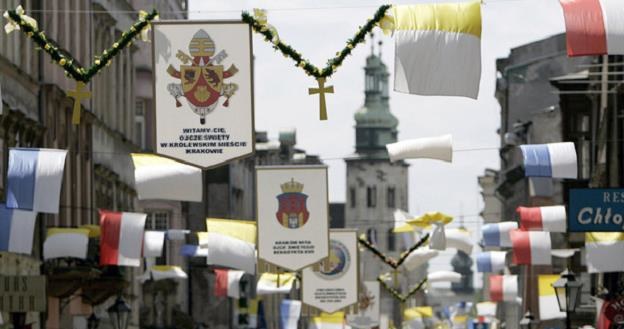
(335, 285)
(292, 215)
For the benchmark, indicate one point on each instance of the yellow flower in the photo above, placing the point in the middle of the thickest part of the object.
(13, 25)
(145, 32)
(260, 16)
(386, 24)
(62, 61)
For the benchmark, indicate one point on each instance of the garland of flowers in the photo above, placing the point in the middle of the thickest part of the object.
(63, 58)
(259, 25)
(390, 261)
(396, 294)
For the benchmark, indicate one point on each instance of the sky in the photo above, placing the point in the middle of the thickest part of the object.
(320, 28)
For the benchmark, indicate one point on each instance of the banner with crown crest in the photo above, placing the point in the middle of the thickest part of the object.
(293, 219)
(203, 91)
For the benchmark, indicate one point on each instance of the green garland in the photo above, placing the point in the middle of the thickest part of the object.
(333, 63)
(64, 59)
(390, 261)
(396, 294)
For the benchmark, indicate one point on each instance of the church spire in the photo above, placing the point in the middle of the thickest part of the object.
(375, 125)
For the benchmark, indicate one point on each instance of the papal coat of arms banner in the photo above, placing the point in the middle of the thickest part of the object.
(334, 285)
(292, 215)
(203, 92)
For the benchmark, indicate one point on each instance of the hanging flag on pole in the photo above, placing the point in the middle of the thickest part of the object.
(438, 49)
(190, 250)
(273, 283)
(34, 178)
(157, 177)
(531, 248)
(66, 242)
(419, 257)
(503, 288)
(549, 219)
(439, 147)
(593, 27)
(486, 309)
(601, 249)
(443, 276)
(224, 250)
(227, 283)
(163, 272)
(460, 239)
(556, 160)
(497, 235)
(17, 228)
(491, 261)
(548, 305)
(153, 243)
(121, 238)
(290, 311)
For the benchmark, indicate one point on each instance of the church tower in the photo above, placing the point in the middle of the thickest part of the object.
(375, 186)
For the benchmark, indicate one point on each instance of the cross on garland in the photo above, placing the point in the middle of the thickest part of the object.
(78, 94)
(321, 90)
(259, 25)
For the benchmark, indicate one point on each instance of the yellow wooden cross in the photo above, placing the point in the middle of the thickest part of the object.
(78, 94)
(321, 90)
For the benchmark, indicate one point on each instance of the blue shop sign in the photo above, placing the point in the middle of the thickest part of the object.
(596, 210)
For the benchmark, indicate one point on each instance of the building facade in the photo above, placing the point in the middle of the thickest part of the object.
(547, 97)
(98, 173)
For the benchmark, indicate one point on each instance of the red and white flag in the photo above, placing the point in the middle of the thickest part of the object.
(531, 248)
(503, 288)
(549, 219)
(227, 283)
(594, 27)
(121, 238)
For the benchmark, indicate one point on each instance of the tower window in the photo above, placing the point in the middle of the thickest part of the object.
(391, 241)
(371, 196)
(391, 197)
(371, 235)
(352, 197)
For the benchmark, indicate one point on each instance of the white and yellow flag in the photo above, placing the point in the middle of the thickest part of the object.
(548, 306)
(601, 249)
(66, 242)
(438, 49)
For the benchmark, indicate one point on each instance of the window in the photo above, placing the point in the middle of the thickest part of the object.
(391, 241)
(391, 198)
(352, 196)
(139, 122)
(371, 236)
(371, 196)
(158, 221)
